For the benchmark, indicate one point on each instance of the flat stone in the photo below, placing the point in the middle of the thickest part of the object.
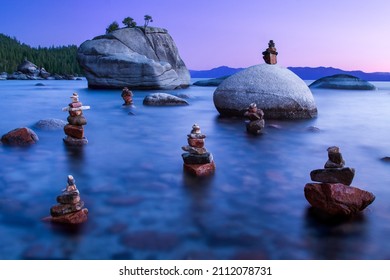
(197, 143)
(71, 141)
(196, 136)
(342, 81)
(194, 150)
(69, 197)
(75, 104)
(333, 175)
(75, 113)
(200, 169)
(77, 120)
(74, 131)
(331, 164)
(77, 217)
(337, 199)
(62, 209)
(197, 159)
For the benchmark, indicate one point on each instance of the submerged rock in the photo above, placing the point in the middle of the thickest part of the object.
(133, 58)
(20, 137)
(50, 124)
(163, 99)
(342, 81)
(279, 92)
(337, 199)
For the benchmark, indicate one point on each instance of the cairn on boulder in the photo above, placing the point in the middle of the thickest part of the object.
(69, 209)
(256, 119)
(269, 55)
(334, 195)
(197, 160)
(127, 96)
(74, 130)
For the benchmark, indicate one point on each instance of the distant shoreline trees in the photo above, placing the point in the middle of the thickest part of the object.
(60, 60)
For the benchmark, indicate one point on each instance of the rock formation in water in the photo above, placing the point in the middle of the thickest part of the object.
(70, 208)
(276, 90)
(334, 195)
(23, 136)
(134, 58)
(255, 118)
(74, 130)
(342, 81)
(29, 71)
(197, 160)
(163, 99)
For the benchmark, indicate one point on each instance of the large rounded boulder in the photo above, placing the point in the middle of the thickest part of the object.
(279, 92)
(133, 58)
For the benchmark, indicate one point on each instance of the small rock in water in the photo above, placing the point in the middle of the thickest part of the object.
(386, 159)
(50, 124)
(20, 137)
(163, 99)
(39, 84)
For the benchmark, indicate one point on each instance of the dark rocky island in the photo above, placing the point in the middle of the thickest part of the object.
(342, 81)
(137, 58)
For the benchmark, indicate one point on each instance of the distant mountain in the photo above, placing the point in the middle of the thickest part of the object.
(215, 72)
(305, 73)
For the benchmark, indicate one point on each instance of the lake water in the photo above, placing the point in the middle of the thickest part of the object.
(141, 204)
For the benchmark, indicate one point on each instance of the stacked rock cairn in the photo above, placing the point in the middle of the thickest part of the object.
(74, 130)
(269, 55)
(197, 160)
(69, 209)
(255, 117)
(334, 195)
(127, 96)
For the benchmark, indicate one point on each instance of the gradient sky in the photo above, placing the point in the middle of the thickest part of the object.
(346, 34)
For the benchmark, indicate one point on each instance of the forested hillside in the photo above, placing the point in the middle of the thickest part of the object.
(60, 60)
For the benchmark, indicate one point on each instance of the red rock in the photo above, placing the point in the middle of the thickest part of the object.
(75, 104)
(197, 143)
(74, 131)
(78, 217)
(337, 199)
(20, 137)
(75, 113)
(200, 169)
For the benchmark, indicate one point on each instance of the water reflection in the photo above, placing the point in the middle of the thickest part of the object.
(335, 238)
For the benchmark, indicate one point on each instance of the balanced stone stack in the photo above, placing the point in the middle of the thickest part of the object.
(127, 96)
(74, 130)
(256, 121)
(69, 209)
(269, 55)
(333, 194)
(197, 160)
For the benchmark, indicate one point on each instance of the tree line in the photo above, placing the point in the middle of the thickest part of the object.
(60, 60)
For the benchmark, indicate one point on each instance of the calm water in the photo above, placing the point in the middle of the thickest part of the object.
(141, 204)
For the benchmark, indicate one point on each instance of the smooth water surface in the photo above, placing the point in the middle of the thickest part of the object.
(141, 204)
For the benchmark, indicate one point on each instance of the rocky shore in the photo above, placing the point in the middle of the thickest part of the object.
(29, 71)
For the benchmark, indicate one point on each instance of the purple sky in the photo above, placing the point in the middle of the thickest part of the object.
(345, 34)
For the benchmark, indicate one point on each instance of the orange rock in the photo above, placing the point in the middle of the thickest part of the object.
(20, 137)
(74, 131)
(200, 169)
(78, 217)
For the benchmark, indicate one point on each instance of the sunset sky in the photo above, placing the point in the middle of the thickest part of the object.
(351, 35)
